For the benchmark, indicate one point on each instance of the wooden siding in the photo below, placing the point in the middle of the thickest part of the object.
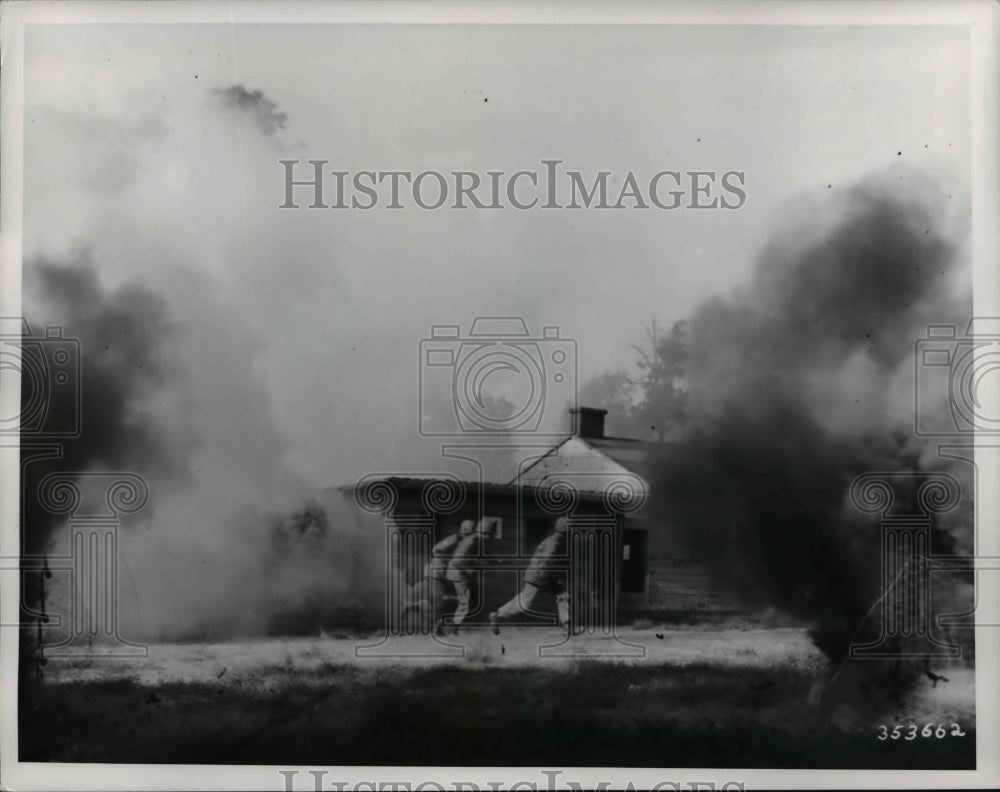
(685, 585)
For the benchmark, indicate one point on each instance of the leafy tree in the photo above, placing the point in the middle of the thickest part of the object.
(662, 365)
(651, 404)
(615, 392)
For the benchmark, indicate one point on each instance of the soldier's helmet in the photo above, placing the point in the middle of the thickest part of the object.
(562, 525)
(466, 528)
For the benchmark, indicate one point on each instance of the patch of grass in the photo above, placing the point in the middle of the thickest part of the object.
(589, 713)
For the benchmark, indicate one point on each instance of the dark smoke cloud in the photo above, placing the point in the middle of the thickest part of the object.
(862, 287)
(841, 291)
(171, 392)
(122, 361)
(799, 383)
(124, 358)
(255, 105)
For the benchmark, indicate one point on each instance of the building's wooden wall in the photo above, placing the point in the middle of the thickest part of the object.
(678, 584)
(674, 582)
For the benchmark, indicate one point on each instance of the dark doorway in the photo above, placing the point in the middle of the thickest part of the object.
(633, 575)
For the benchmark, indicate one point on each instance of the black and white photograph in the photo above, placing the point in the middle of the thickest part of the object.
(499, 397)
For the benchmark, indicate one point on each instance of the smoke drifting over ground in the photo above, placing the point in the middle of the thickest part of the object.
(801, 382)
(220, 550)
(125, 361)
(178, 367)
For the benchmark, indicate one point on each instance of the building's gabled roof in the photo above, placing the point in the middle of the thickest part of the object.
(589, 465)
(612, 469)
(630, 454)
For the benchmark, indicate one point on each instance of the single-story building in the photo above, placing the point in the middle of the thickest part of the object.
(620, 551)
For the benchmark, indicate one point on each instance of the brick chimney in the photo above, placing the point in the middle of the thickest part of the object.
(589, 422)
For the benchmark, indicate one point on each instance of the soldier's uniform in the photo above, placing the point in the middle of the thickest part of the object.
(546, 574)
(443, 595)
(436, 569)
(434, 593)
(463, 575)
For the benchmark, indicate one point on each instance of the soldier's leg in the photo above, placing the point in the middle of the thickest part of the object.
(411, 603)
(562, 606)
(436, 589)
(435, 603)
(475, 594)
(443, 604)
(510, 608)
(464, 596)
(521, 603)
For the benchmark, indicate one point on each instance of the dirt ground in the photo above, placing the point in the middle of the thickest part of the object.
(646, 697)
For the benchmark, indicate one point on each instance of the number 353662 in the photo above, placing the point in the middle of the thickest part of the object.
(913, 730)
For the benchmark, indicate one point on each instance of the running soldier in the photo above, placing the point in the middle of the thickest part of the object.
(464, 575)
(443, 592)
(433, 593)
(544, 575)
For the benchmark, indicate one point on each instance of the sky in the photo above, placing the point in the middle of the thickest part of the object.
(301, 329)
